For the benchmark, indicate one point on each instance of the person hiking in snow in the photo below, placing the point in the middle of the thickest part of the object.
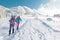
(18, 20)
(12, 23)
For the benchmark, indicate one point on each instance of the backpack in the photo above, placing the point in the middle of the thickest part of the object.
(18, 19)
(12, 20)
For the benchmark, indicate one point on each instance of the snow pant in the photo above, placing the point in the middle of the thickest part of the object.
(18, 26)
(11, 29)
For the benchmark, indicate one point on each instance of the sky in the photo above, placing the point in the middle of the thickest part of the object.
(50, 8)
(29, 3)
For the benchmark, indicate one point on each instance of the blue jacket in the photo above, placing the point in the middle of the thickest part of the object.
(18, 19)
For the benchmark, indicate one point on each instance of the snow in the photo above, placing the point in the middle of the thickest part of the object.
(32, 29)
(37, 27)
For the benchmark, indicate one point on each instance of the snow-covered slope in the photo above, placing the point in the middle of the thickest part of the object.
(36, 27)
(33, 29)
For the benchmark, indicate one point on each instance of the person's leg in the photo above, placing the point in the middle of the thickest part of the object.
(10, 30)
(17, 26)
(13, 29)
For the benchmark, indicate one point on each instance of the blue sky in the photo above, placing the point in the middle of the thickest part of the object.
(30, 3)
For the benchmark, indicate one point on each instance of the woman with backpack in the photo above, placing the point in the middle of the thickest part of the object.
(12, 23)
(18, 20)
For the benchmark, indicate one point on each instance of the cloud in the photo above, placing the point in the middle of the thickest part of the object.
(50, 8)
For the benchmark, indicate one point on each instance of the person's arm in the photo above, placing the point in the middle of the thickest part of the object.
(20, 19)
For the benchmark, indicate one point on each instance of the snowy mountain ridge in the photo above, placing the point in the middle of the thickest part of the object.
(21, 10)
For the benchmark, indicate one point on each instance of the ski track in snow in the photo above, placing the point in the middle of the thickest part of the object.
(49, 26)
(33, 29)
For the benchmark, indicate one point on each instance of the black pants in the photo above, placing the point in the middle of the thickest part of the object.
(17, 25)
(11, 29)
